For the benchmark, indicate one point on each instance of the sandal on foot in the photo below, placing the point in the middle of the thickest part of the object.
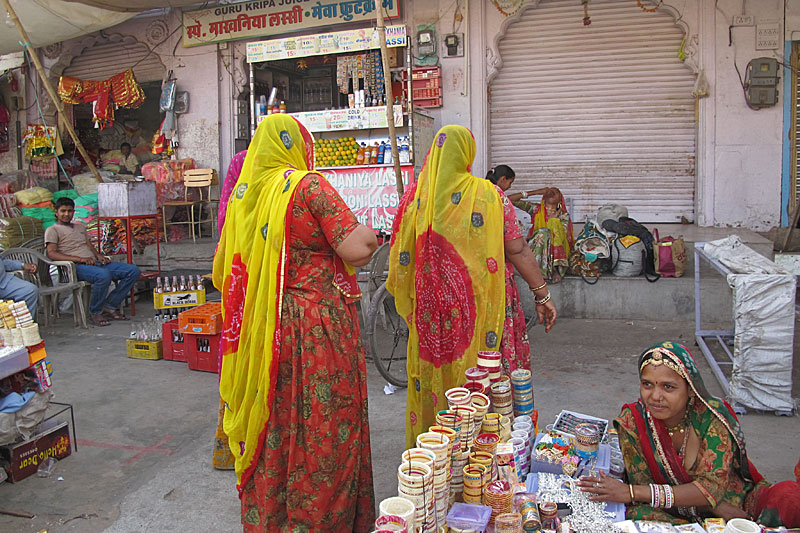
(114, 315)
(99, 320)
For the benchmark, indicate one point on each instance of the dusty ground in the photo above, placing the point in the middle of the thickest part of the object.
(145, 428)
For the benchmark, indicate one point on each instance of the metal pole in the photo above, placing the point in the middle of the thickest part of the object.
(26, 42)
(387, 80)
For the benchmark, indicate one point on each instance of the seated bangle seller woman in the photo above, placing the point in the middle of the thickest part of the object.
(551, 237)
(685, 455)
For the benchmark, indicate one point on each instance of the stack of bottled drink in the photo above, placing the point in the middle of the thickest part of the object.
(165, 286)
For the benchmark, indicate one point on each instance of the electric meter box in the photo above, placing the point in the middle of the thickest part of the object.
(761, 82)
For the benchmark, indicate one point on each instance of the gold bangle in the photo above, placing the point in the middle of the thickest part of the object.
(540, 287)
(543, 300)
(630, 489)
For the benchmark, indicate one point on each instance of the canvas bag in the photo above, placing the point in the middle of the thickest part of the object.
(670, 256)
(628, 256)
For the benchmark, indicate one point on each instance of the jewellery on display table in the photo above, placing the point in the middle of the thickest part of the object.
(540, 287)
(587, 516)
(630, 489)
(543, 300)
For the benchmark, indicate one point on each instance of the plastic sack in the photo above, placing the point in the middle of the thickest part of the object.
(34, 195)
(68, 193)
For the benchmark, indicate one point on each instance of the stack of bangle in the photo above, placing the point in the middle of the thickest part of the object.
(661, 496)
(544, 299)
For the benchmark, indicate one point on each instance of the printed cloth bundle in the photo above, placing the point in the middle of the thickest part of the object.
(120, 90)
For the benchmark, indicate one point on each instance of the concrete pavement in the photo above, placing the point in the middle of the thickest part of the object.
(146, 428)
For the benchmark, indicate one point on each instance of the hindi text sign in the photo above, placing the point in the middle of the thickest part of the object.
(370, 192)
(244, 20)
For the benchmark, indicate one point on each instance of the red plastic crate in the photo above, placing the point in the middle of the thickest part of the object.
(204, 319)
(204, 360)
(174, 350)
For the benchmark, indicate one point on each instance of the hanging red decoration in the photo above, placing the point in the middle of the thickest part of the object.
(586, 19)
(119, 90)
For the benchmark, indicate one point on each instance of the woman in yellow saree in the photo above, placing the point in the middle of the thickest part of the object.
(293, 375)
(447, 274)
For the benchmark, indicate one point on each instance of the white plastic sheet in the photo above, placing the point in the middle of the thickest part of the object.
(764, 317)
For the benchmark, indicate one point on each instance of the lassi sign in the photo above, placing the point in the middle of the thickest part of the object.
(244, 20)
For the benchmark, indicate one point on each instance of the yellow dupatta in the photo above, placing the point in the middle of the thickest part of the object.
(249, 271)
(446, 272)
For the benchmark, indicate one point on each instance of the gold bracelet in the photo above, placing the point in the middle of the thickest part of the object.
(630, 489)
(540, 287)
(543, 300)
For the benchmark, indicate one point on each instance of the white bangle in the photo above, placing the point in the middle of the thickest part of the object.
(524, 194)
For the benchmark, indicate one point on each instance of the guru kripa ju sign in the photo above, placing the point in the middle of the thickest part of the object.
(271, 17)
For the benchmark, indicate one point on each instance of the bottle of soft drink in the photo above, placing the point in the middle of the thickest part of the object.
(175, 286)
(191, 285)
(167, 288)
(182, 286)
(373, 155)
(382, 153)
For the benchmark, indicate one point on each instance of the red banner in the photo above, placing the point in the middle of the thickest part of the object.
(370, 191)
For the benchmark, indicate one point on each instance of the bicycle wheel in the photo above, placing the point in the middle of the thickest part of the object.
(387, 334)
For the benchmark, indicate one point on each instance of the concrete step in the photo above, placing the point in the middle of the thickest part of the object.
(635, 298)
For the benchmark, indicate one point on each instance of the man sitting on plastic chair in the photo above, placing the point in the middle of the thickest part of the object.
(67, 241)
(14, 288)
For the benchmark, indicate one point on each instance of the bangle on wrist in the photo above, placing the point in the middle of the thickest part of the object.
(630, 489)
(524, 194)
(540, 287)
(543, 300)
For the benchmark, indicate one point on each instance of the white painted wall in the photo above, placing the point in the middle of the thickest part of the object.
(749, 144)
(739, 149)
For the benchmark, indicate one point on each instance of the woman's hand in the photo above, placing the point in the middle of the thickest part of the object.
(605, 489)
(547, 314)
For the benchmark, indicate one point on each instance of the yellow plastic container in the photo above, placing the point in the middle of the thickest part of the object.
(144, 349)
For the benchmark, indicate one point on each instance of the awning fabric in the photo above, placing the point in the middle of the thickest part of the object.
(53, 21)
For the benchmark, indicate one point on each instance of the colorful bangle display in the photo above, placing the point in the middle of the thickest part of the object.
(543, 300)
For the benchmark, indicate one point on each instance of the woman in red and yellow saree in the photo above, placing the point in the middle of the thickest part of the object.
(447, 270)
(293, 374)
(684, 453)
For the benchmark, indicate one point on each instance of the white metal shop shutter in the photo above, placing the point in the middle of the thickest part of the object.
(102, 61)
(603, 112)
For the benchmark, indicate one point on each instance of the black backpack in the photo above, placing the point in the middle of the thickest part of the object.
(629, 226)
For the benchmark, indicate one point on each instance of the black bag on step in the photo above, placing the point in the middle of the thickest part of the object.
(629, 226)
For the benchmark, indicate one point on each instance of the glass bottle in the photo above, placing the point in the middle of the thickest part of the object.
(182, 286)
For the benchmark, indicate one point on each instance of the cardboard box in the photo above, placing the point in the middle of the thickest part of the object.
(23, 458)
(36, 353)
(126, 199)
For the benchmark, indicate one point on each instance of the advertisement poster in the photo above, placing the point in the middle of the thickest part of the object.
(324, 43)
(244, 20)
(359, 118)
(370, 192)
